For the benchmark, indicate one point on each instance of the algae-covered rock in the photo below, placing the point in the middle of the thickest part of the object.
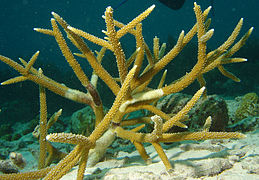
(213, 106)
(245, 125)
(249, 106)
(83, 121)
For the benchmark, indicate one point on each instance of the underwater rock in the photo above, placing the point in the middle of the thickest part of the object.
(83, 121)
(248, 107)
(206, 167)
(213, 106)
(245, 125)
(13, 164)
(17, 159)
(7, 166)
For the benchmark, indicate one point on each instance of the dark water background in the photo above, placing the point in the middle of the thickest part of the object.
(19, 102)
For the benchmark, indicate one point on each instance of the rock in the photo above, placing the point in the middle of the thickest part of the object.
(213, 106)
(83, 121)
(248, 107)
(245, 125)
(7, 167)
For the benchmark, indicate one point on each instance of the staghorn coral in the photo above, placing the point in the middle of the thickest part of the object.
(130, 88)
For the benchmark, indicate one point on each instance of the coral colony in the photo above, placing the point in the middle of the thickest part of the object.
(130, 88)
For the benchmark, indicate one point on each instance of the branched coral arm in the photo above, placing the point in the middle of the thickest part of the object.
(35, 72)
(201, 33)
(65, 164)
(141, 137)
(156, 47)
(95, 64)
(148, 107)
(180, 115)
(68, 54)
(197, 69)
(202, 82)
(162, 80)
(134, 121)
(207, 36)
(140, 48)
(43, 81)
(175, 137)
(142, 151)
(31, 62)
(77, 41)
(171, 54)
(130, 135)
(44, 31)
(54, 118)
(158, 125)
(227, 43)
(162, 155)
(14, 80)
(13, 64)
(207, 124)
(43, 128)
(117, 49)
(228, 74)
(181, 42)
(240, 43)
(188, 37)
(87, 36)
(154, 110)
(26, 175)
(68, 138)
(87, 53)
(134, 22)
(103, 125)
(142, 96)
(91, 38)
(82, 164)
(162, 62)
(220, 61)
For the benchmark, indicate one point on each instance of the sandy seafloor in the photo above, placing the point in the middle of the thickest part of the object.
(211, 159)
(237, 159)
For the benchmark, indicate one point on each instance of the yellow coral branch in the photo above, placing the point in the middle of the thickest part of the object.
(180, 115)
(134, 22)
(43, 128)
(91, 38)
(102, 127)
(175, 137)
(114, 40)
(68, 55)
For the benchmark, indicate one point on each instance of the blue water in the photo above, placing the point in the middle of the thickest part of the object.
(17, 39)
